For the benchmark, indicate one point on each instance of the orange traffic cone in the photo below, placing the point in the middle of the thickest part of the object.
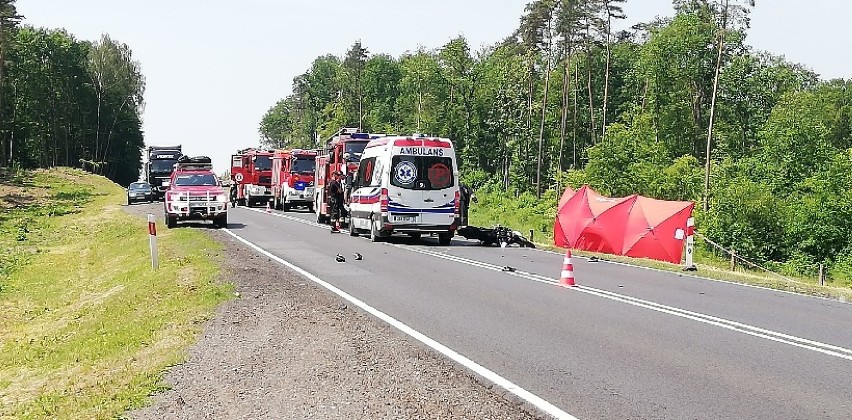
(567, 277)
(268, 208)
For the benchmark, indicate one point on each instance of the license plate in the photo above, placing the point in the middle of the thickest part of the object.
(404, 219)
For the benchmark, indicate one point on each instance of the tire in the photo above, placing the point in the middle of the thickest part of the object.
(444, 238)
(311, 207)
(241, 202)
(285, 206)
(352, 230)
(414, 235)
(221, 222)
(171, 222)
(129, 202)
(279, 205)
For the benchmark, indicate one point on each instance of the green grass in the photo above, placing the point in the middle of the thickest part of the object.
(527, 213)
(88, 327)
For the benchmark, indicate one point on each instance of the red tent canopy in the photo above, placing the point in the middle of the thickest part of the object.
(634, 226)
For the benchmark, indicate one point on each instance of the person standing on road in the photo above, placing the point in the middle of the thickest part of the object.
(466, 194)
(335, 196)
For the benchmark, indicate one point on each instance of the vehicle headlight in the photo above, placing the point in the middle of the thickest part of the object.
(222, 198)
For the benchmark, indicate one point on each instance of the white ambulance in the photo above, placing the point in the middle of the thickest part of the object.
(406, 185)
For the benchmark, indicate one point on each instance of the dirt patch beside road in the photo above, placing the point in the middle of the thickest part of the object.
(285, 348)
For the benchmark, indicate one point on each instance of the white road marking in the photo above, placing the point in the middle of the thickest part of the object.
(824, 348)
(480, 370)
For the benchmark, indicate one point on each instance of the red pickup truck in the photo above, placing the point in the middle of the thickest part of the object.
(195, 193)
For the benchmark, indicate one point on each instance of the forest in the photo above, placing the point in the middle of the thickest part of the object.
(67, 102)
(678, 108)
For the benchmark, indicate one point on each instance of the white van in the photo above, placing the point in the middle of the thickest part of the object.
(406, 185)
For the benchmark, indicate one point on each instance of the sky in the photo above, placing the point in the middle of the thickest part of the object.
(214, 67)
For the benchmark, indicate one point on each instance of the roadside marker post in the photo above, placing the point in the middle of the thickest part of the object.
(566, 279)
(152, 241)
(690, 245)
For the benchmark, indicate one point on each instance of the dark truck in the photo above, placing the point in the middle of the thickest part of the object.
(159, 168)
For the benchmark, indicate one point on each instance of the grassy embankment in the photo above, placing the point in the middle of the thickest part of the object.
(527, 213)
(87, 326)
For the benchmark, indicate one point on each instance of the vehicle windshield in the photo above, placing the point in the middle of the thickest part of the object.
(162, 165)
(354, 148)
(139, 186)
(422, 172)
(304, 165)
(196, 180)
(262, 163)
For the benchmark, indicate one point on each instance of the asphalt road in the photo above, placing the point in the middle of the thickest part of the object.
(628, 343)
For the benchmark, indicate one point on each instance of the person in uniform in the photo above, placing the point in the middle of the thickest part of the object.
(335, 196)
(466, 194)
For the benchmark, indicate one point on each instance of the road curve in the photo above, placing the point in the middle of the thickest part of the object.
(628, 343)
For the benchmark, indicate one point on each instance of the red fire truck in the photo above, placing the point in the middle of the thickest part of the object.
(293, 178)
(342, 153)
(251, 173)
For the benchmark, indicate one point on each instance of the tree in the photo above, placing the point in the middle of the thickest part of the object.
(728, 12)
(9, 19)
(381, 78)
(612, 9)
(421, 93)
(458, 71)
(353, 64)
(276, 127)
(118, 84)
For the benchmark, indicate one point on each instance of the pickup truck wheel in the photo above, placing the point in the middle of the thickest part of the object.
(311, 207)
(285, 206)
(241, 202)
(414, 235)
(444, 238)
(171, 222)
(352, 230)
(221, 222)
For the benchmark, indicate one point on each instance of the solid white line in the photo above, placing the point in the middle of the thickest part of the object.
(824, 348)
(480, 370)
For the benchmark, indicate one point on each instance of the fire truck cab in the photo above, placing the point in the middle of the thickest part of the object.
(195, 193)
(251, 173)
(342, 153)
(293, 178)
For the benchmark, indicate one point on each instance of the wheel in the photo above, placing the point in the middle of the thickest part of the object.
(414, 235)
(374, 230)
(221, 222)
(444, 238)
(171, 222)
(241, 202)
(285, 206)
(311, 207)
(129, 202)
(352, 230)
(278, 204)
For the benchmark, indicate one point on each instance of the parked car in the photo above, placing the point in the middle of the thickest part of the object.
(139, 191)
